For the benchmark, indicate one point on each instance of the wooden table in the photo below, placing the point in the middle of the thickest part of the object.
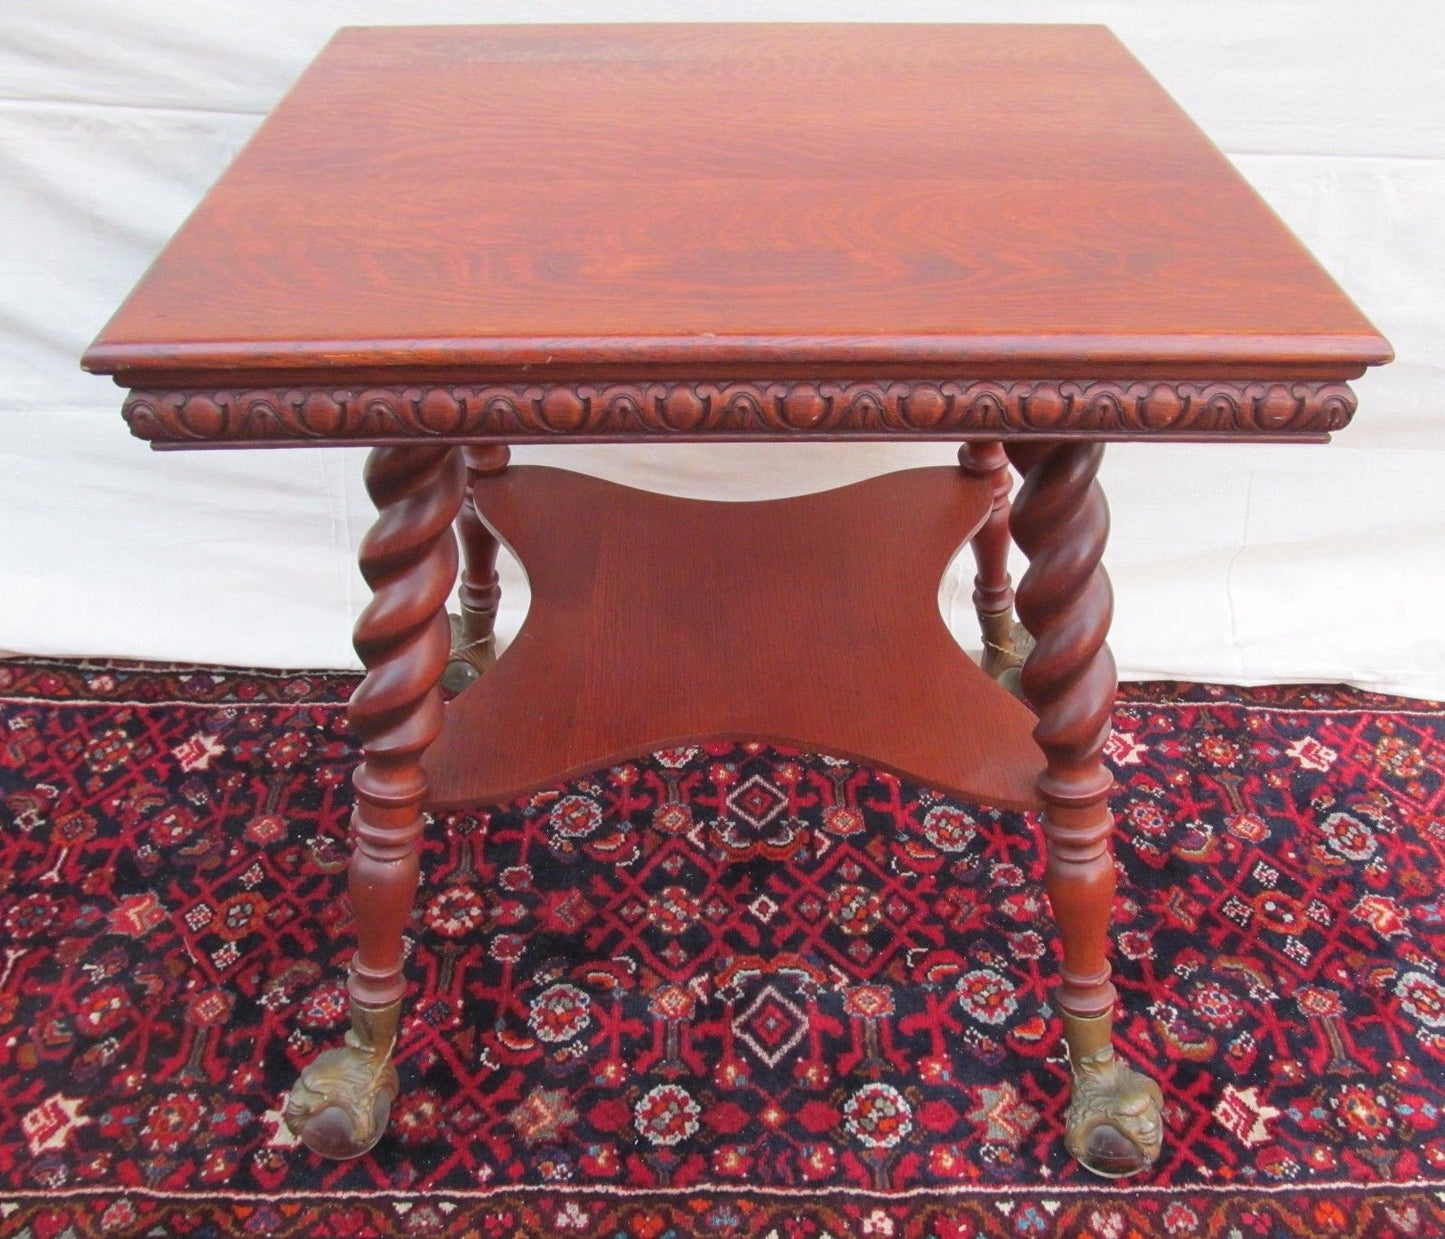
(448, 240)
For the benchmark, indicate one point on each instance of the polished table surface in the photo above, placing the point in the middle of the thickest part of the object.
(1011, 200)
(445, 241)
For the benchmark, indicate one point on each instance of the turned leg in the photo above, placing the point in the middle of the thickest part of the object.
(474, 643)
(341, 1103)
(1061, 522)
(1005, 643)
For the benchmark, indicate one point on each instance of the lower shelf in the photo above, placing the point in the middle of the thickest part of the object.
(810, 622)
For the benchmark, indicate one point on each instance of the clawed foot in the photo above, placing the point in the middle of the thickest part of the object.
(471, 656)
(340, 1105)
(1006, 643)
(1114, 1125)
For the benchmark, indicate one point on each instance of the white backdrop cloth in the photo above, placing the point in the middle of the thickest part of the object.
(1241, 564)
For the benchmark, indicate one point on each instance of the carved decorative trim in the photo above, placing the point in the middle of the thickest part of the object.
(930, 408)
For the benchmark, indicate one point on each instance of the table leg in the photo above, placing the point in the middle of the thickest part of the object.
(1061, 522)
(341, 1103)
(474, 645)
(1005, 643)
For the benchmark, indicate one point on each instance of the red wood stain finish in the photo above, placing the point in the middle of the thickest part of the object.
(1061, 522)
(657, 620)
(481, 236)
(732, 198)
(409, 558)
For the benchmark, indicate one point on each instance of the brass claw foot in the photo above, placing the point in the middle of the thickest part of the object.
(470, 655)
(1006, 643)
(340, 1105)
(1114, 1126)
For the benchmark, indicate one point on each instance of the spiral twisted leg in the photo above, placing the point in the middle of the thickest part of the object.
(341, 1103)
(1061, 522)
(474, 645)
(1005, 643)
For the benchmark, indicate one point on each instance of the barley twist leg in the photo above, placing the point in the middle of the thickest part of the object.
(341, 1103)
(1005, 643)
(1061, 522)
(474, 642)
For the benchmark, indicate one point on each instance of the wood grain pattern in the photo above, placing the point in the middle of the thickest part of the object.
(657, 620)
(480, 591)
(992, 589)
(491, 234)
(733, 196)
(409, 558)
(743, 410)
(1060, 520)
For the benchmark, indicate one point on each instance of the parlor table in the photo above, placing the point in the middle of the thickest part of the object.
(445, 241)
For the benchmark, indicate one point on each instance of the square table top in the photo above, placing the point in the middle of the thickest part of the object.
(732, 200)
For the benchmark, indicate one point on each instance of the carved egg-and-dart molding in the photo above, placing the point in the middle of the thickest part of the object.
(931, 408)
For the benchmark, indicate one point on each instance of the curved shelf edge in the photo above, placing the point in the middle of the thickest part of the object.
(809, 622)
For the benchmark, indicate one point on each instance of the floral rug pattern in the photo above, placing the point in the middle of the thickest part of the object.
(727, 989)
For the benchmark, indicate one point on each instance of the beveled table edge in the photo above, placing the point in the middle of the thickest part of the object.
(1303, 353)
(753, 409)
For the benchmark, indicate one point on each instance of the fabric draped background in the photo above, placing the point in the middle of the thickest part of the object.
(1240, 564)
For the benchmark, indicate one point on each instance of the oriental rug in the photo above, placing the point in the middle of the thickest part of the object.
(725, 990)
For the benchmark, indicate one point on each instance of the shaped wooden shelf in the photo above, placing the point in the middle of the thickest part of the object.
(811, 622)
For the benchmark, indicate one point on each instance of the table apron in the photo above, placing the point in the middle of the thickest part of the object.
(1119, 410)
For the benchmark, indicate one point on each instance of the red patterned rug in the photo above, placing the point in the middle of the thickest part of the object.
(725, 991)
